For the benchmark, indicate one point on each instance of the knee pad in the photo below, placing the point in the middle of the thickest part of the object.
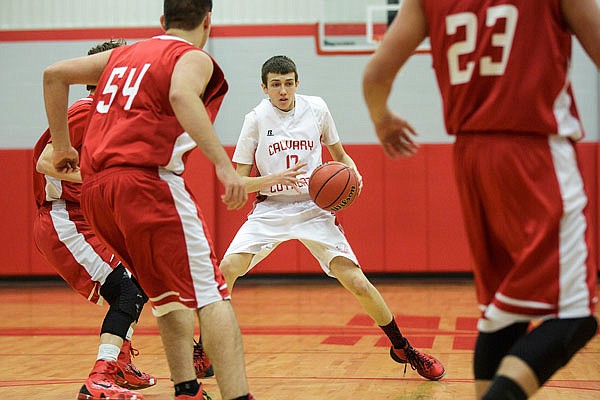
(125, 299)
(492, 347)
(144, 298)
(552, 344)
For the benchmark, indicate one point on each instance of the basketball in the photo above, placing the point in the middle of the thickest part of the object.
(333, 186)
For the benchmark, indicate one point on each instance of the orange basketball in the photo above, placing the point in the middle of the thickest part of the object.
(333, 186)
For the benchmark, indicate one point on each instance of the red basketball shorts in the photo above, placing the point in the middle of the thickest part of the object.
(67, 241)
(154, 225)
(523, 202)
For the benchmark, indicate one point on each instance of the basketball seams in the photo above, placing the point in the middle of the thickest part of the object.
(341, 191)
(327, 185)
(321, 170)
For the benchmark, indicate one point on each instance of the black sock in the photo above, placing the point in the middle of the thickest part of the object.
(393, 333)
(190, 388)
(503, 388)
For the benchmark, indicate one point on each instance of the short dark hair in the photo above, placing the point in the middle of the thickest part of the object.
(278, 65)
(185, 14)
(108, 45)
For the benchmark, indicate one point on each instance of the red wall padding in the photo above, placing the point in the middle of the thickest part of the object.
(407, 218)
(16, 212)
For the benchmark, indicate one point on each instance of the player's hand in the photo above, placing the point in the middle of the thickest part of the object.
(289, 176)
(396, 136)
(65, 160)
(235, 195)
(360, 179)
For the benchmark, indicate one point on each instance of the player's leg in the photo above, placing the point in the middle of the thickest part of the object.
(493, 261)
(126, 299)
(490, 349)
(202, 363)
(177, 332)
(65, 238)
(181, 274)
(265, 228)
(330, 247)
(233, 266)
(536, 356)
(355, 281)
(550, 261)
(223, 342)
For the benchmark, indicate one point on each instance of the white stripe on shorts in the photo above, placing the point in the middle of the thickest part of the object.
(198, 247)
(574, 296)
(75, 242)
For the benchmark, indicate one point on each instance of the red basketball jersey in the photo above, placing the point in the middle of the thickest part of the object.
(132, 122)
(46, 188)
(492, 71)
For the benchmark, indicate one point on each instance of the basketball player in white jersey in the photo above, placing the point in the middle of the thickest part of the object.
(283, 135)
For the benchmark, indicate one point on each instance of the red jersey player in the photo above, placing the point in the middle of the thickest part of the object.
(66, 240)
(502, 68)
(155, 102)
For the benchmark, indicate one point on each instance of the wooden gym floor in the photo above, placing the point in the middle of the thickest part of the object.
(304, 339)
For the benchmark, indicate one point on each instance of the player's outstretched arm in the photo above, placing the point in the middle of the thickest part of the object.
(583, 17)
(190, 77)
(338, 153)
(406, 32)
(255, 183)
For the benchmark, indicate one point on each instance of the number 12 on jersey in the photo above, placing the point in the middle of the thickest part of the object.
(291, 160)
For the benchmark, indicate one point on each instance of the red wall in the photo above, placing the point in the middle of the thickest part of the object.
(407, 218)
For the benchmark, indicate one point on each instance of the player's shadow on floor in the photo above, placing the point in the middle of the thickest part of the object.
(426, 390)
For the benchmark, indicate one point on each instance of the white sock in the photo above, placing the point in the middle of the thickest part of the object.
(108, 352)
(129, 334)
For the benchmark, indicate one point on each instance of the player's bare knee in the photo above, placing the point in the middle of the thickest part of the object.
(229, 269)
(351, 277)
(235, 265)
(360, 286)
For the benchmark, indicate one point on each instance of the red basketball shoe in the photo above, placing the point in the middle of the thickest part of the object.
(427, 366)
(128, 376)
(202, 364)
(100, 385)
(201, 395)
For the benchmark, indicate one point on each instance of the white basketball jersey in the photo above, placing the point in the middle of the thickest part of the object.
(275, 140)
